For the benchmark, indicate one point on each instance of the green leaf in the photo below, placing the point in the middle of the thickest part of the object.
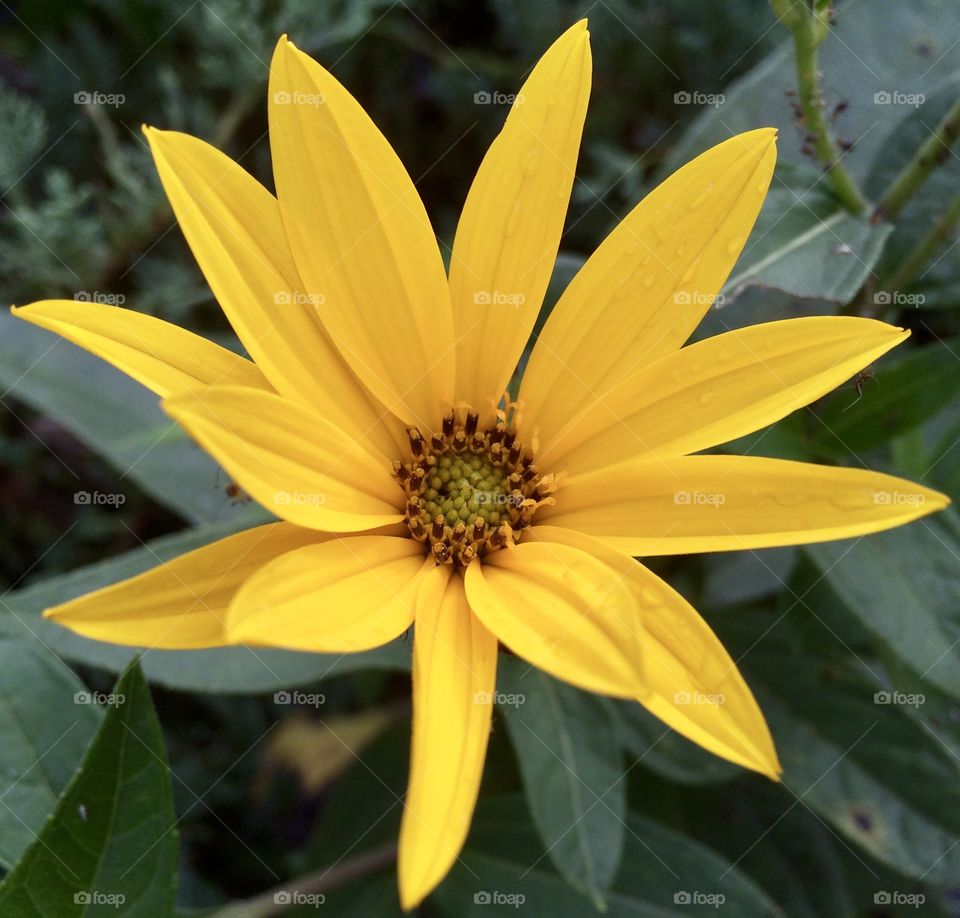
(223, 669)
(908, 387)
(805, 244)
(116, 418)
(856, 750)
(45, 728)
(660, 869)
(904, 586)
(651, 744)
(938, 285)
(111, 845)
(876, 47)
(569, 752)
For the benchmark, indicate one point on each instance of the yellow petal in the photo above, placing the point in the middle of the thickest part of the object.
(695, 687)
(509, 232)
(180, 604)
(235, 230)
(339, 596)
(157, 354)
(454, 670)
(564, 611)
(719, 389)
(725, 503)
(293, 462)
(643, 292)
(361, 239)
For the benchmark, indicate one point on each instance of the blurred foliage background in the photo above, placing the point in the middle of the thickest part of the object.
(264, 788)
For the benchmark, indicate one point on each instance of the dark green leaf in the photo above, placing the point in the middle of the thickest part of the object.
(46, 721)
(904, 586)
(661, 873)
(111, 845)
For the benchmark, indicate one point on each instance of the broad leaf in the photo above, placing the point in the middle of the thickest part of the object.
(111, 845)
(569, 753)
(47, 720)
(662, 872)
(904, 586)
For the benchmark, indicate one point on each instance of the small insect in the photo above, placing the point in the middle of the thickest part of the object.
(236, 494)
(859, 382)
(82, 810)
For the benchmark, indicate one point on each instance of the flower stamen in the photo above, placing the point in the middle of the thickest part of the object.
(470, 491)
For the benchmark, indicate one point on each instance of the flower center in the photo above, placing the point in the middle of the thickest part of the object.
(469, 491)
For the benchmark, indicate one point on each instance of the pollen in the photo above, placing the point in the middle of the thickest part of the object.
(470, 491)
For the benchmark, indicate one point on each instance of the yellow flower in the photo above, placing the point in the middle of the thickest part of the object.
(371, 421)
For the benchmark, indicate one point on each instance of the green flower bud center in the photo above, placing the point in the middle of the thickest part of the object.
(462, 487)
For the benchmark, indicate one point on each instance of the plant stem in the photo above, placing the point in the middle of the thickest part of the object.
(284, 896)
(937, 236)
(809, 28)
(929, 155)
